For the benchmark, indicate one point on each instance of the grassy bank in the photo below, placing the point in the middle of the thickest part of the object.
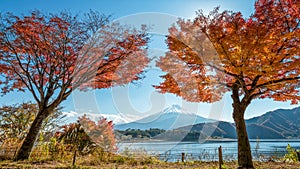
(44, 157)
(138, 164)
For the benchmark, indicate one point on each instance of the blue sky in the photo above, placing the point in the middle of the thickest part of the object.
(136, 101)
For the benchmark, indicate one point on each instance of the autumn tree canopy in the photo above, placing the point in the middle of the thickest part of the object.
(51, 55)
(209, 55)
(253, 58)
(87, 134)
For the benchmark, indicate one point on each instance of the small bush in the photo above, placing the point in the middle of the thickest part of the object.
(291, 155)
(119, 159)
(9, 148)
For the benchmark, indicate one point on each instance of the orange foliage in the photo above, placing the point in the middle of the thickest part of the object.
(87, 134)
(100, 132)
(213, 54)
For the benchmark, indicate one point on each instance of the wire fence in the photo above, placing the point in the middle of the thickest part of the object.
(207, 154)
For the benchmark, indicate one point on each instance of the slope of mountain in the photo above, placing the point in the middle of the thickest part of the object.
(170, 118)
(116, 118)
(278, 124)
(201, 130)
(285, 122)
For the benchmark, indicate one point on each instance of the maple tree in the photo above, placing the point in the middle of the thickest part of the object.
(253, 58)
(16, 120)
(100, 132)
(51, 55)
(86, 135)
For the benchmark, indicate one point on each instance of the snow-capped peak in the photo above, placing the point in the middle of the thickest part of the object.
(116, 118)
(70, 114)
(173, 109)
(176, 109)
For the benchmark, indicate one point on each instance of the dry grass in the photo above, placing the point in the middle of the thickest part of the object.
(142, 165)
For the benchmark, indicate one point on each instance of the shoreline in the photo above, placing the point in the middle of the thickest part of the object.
(206, 140)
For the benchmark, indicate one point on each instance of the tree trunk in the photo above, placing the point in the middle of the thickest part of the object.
(74, 157)
(27, 145)
(244, 150)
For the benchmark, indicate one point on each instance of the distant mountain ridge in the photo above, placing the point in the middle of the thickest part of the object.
(278, 124)
(284, 122)
(170, 118)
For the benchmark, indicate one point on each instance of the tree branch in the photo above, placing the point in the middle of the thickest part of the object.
(272, 82)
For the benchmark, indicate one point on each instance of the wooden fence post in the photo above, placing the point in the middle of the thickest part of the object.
(182, 157)
(74, 157)
(220, 157)
(298, 155)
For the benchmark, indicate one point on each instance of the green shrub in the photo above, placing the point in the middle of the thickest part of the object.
(291, 155)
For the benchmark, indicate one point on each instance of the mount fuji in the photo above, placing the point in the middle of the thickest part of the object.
(170, 118)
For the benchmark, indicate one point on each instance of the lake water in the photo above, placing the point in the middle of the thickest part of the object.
(208, 150)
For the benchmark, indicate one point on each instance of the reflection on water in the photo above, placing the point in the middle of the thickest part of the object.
(208, 151)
